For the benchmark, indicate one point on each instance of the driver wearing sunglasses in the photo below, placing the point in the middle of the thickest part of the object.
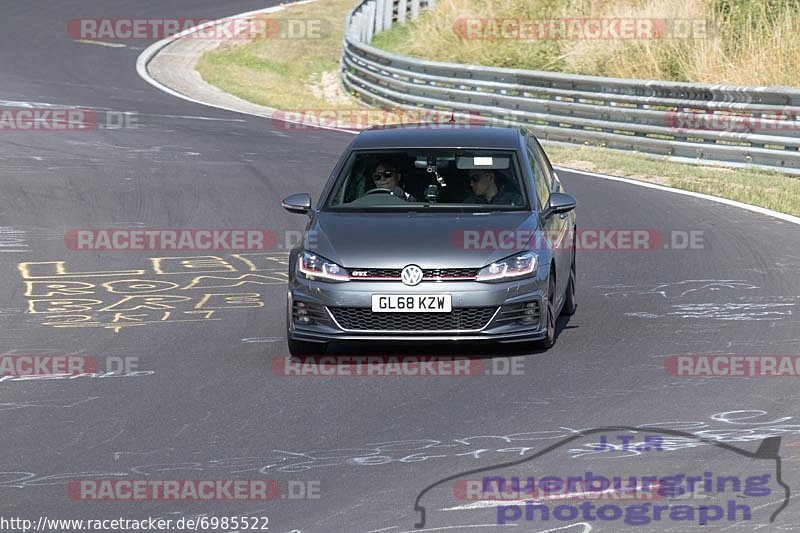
(386, 176)
(487, 190)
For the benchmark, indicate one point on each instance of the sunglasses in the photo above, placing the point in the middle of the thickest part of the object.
(477, 177)
(382, 175)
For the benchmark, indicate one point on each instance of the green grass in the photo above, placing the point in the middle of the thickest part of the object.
(277, 72)
(743, 42)
(765, 189)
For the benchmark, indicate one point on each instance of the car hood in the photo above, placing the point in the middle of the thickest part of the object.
(430, 240)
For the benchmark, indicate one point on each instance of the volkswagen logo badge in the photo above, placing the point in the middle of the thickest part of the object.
(411, 275)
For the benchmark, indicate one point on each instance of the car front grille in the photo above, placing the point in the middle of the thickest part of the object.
(428, 274)
(460, 319)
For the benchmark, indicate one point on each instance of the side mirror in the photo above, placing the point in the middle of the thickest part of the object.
(561, 202)
(297, 203)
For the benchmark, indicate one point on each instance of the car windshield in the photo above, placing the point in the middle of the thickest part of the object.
(441, 179)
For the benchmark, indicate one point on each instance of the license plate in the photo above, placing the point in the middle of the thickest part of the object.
(415, 303)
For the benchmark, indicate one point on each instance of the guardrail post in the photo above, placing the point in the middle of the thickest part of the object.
(387, 15)
(414, 9)
(402, 7)
(360, 26)
(362, 23)
(379, 8)
(355, 27)
(370, 22)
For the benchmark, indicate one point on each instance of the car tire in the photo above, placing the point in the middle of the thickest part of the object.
(550, 317)
(300, 348)
(570, 305)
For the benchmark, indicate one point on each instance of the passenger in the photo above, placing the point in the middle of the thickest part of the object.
(487, 190)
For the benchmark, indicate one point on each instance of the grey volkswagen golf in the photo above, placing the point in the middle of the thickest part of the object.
(434, 233)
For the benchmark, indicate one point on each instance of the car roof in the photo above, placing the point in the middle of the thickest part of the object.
(436, 135)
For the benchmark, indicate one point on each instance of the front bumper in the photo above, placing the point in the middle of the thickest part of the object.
(497, 312)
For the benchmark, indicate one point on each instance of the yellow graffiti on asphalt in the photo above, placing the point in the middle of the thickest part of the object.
(169, 290)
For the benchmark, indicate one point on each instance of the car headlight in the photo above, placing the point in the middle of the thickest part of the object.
(316, 267)
(520, 265)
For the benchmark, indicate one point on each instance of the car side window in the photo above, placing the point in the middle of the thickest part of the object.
(539, 180)
(547, 168)
(542, 173)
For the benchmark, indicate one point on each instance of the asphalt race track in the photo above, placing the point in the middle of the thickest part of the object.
(203, 401)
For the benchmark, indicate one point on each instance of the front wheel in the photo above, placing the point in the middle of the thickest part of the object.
(550, 311)
(570, 305)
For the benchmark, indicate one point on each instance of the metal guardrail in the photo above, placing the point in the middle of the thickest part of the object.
(695, 123)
